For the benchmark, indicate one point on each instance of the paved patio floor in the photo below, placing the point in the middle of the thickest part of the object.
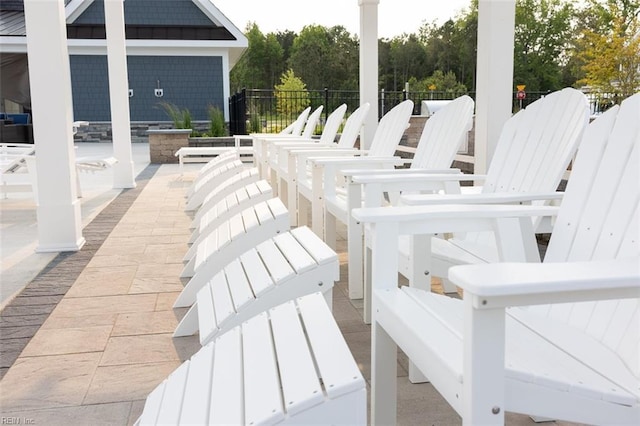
(91, 335)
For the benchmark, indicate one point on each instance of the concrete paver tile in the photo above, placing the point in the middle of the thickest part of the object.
(83, 306)
(94, 415)
(68, 341)
(47, 381)
(127, 382)
(166, 300)
(160, 270)
(157, 322)
(104, 281)
(139, 350)
(156, 285)
(57, 320)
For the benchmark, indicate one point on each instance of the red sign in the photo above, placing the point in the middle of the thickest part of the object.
(521, 95)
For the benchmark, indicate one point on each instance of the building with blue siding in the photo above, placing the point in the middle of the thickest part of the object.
(178, 51)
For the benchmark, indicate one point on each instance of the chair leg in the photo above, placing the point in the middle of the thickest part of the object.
(355, 263)
(330, 230)
(303, 210)
(383, 377)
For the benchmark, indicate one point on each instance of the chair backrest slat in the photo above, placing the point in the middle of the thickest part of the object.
(543, 144)
(312, 122)
(353, 125)
(443, 134)
(298, 125)
(333, 123)
(390, 130)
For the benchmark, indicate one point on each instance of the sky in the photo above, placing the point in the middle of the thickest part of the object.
(395, 17)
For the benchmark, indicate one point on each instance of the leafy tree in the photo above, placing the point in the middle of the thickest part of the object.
(286, 103)
(543, 29)
(325, 57)
(609, 47)
(310, 56)
(408, 58)
(440, 82)
(261, 63)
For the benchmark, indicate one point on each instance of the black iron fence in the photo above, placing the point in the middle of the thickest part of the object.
(264, 110)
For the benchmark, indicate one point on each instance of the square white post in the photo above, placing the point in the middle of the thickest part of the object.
(494, 87)
(369, 67)
(58, 210)
(119, 94)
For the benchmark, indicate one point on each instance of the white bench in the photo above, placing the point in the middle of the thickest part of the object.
(232, 238)
(288, 366)
(204, 154)
(290, 265)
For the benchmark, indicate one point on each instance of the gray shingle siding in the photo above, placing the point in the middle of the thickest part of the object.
(90, 88)
(192, 82)
(150, 12)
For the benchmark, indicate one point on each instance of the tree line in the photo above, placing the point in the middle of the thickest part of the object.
(558, 43)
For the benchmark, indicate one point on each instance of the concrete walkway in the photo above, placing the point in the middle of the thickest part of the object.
(102, 320)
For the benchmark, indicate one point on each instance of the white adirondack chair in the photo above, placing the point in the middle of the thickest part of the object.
(290, 265)
(288, 155)
(289, 366)
(210, 167)
(441, 138)
(245, 196)
(534, 150)
(213, 179)
(245, 177)
(278, 168)
(573, 356)
(261, 143)
(246, 229)
(221, 153)
(380, 154)
(15, 175)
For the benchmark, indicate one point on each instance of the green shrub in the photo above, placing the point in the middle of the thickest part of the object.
(216, 127)
(181, 117)
(255, 126)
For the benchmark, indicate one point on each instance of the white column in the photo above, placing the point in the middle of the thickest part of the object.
(369, 66)
(494, 90)
(226, 85)
(123, 176)
(58, 210)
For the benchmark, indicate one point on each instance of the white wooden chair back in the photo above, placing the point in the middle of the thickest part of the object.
(312, 122)
(599, 220)
(443, 134)
(390, 130)
(536, 147)
(353, 125)
(534, 151)
(332, 125)
(298, 125)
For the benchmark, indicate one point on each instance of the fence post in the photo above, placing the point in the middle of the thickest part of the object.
(326, 103)
(243, 108)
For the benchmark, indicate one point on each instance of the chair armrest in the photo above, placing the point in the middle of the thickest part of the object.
(511, 225)
(396, 172)
(341, 161)
(295, 142)
(422, 175)
(328, 151)
(489, 198)
(419, 214)
(513, 284)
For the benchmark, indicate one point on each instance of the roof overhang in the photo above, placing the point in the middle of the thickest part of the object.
(75, 8)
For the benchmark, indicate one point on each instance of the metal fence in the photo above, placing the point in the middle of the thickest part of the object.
(261, 110)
